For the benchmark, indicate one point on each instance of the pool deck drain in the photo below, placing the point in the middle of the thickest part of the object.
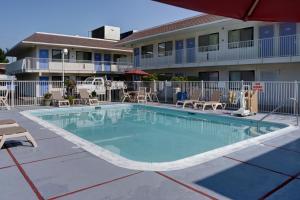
(57, 170)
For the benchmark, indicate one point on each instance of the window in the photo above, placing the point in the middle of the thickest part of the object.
(241, 76)
(147, 51)
(209, 76)
(56, 78)
(83, 57)
(116, 57)
(208, 42)
(57, 55)
(165, 48)
(240, 38)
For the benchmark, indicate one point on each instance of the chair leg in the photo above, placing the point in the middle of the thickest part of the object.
(31, 139)
(2, 141)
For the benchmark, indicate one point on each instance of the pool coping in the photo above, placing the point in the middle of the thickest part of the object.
(123, 162)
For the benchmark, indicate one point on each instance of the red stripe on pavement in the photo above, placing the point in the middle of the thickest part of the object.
(187, 186)
(93, 186)
(31, 184)
(287, 181)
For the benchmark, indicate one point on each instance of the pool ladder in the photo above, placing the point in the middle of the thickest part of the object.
(280, 106)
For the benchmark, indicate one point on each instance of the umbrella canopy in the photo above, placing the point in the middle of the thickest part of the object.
(137, 72)
(253, 10)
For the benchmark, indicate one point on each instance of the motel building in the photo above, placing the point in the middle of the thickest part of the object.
(213, 48)
(40, 56)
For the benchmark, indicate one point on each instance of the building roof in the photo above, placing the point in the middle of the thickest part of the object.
(173, 26)
(40, 38)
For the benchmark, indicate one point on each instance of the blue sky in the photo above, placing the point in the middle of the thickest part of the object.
(20, 18)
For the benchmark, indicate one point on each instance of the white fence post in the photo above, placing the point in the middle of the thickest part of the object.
(166, 92)
(295, 96)
(12, 90)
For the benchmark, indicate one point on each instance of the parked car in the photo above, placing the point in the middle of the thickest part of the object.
(100, 85)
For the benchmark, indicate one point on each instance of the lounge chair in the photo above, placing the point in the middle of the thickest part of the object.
(3, 97)
(126, 95)
(141, 96)
(85, 98)
(13, 132)
(214, 102)
(58, 100)
(194, 98)
(6, 123)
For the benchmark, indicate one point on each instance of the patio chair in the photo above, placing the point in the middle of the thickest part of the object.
(214, 102)
(141, 96)
(14, 132)
(194, 98)
(6, 123)
(85, 98)
(3, 97)
(126, 95)
(154, 96)
(149, 94)
(58, 100)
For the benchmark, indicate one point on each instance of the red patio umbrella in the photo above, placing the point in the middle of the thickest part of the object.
(248, 10)
(137, 72)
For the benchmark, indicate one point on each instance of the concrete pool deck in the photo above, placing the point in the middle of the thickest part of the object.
(58, 169)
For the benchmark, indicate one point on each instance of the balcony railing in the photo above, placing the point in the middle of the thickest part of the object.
(70, 66)
(268, 50)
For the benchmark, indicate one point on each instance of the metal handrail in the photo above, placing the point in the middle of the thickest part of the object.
(277, 108)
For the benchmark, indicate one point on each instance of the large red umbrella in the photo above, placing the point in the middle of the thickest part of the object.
(253, 10)
(137, 72)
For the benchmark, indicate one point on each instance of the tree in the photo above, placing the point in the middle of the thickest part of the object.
(3, 58)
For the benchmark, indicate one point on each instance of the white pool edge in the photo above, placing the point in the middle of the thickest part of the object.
(155, 166)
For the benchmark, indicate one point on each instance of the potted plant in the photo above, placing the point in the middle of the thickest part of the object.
(94, 94)
(71, 99)
(47, 99)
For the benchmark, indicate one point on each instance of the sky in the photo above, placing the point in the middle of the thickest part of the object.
(21, 18)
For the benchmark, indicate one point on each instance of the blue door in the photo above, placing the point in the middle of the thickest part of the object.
(266, 41)
(107, 62)
(190, 50)
(287, 33)
(179, 51)
(44, 88)
(98, 64)
(136, 53)
(44, 58)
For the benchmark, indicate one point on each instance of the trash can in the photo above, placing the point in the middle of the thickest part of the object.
(181, 96)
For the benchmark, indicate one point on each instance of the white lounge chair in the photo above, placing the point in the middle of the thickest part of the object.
(14, 132)
(6, 123)
(214, 102)
(85, 98)
(141, 96)
(3, 97)
(194, 98)
(58, 100)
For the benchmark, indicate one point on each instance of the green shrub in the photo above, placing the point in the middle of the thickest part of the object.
(151, 77)
(47, 96)
(179, 78)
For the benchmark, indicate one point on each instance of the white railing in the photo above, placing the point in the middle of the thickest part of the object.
(70, 66)
(269, 50)
(30, 93)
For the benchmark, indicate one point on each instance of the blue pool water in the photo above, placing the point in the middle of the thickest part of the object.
(152, 134)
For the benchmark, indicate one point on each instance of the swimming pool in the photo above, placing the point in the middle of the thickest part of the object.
(142, 134)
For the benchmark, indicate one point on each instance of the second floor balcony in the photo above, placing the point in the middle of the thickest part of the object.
(31, 65)
(269, 50)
